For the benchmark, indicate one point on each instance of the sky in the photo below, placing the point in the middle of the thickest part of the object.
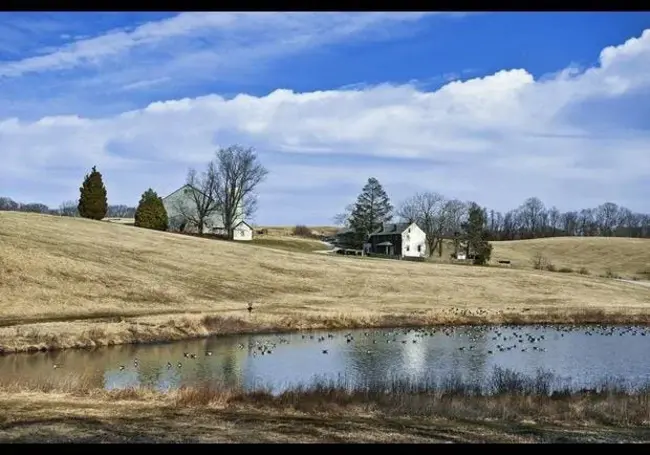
(487, 107)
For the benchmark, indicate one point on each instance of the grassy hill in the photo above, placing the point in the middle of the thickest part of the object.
(612, 256)
(75, 282)
(598, 255)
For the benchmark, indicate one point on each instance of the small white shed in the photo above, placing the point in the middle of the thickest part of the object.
(243, 232)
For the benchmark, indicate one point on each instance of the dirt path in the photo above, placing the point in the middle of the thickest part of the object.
(640, 283)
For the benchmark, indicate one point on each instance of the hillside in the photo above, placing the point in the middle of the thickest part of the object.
(622, 256)
(72, 270)
(287, 231)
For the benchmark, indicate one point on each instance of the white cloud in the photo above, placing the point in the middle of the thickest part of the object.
(496, 139)
(211, 40)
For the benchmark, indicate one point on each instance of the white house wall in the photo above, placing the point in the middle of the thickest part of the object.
(243, 233)
(411, 238)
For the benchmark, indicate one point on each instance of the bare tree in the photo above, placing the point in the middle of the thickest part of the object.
(68, 208)
(553, 220)
(226, 187)
(455, 214)
(531, 212)
(607, 216)
(201, 193)
(238, 173)
(34, 207)
(343, 219)
(120, 211)
(427, 210)
(8, 204)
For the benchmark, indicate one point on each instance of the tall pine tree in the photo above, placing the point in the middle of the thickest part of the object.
(371, 210)
(476, 235)
(151, 213)
(93, 203)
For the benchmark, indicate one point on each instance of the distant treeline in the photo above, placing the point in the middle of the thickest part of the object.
(533, 220)
(68, 208)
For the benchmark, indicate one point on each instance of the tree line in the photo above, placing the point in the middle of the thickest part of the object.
(447, 218)
(66, 208)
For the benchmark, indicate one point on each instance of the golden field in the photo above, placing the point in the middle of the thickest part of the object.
(625, 257)
(67, 282)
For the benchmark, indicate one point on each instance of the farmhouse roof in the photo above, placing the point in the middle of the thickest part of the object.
(185, 186)
(391, 228)
(244, 222)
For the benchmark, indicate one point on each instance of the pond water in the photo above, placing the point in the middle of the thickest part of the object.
(583, 356)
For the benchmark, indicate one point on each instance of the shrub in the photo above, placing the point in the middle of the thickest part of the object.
(565, 270)
(151, 213)
(539, 262)
(93, 203)
(610, 274)
(483, 253)
(302, 231)
(583, 271)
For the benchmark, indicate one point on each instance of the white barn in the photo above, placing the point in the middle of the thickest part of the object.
(179, 203)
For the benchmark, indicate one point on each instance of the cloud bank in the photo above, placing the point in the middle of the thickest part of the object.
(575, 138)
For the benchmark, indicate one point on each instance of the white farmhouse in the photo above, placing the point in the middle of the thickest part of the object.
(398, 239)
(181, 202)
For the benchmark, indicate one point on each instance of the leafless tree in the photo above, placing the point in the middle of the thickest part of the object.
(427, 210)
(607, 216)
(455, 214)
(120, 211)
(531, 212)
(201, 193)
(237, 173)
(553, 220)
(226, 187)
(68, 208)
(8, 204)
(342, 219)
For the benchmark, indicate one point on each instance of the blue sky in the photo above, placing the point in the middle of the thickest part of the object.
(490, 107)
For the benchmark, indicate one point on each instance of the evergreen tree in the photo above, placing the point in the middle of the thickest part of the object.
(369, 212)
(92, 200)
(151, 213)
(476, 235)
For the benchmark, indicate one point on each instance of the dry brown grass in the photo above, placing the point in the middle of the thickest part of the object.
(125, 221)
(72, 413)
(599, 255)
(287, 231)
(286, 243)
(73, 282)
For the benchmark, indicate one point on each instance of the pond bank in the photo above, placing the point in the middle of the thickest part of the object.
(201, 415)
(109, 331)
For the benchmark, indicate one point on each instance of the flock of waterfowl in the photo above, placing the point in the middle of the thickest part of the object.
(486, 339)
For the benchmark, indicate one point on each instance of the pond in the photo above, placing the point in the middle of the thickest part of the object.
(581, 355)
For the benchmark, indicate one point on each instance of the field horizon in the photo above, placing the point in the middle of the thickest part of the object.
(68, 282)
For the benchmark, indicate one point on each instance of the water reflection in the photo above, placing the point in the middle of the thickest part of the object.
(584, 354)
